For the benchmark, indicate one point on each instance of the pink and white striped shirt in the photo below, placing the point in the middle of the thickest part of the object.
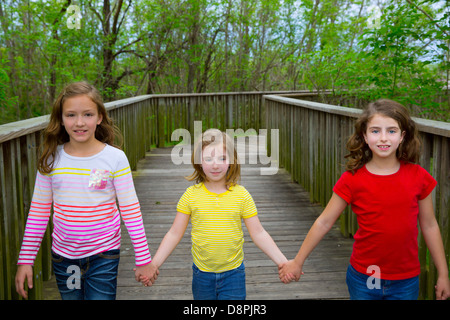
(86, 218)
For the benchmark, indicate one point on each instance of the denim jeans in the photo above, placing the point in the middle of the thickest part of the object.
(379, 289)
(228, 285)
(90, 278)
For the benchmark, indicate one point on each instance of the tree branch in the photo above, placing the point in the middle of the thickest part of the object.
(428, 16)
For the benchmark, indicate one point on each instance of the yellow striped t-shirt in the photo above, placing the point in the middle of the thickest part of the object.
(217, 236)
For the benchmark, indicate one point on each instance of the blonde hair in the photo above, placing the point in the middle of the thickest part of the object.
(215, 137)
(360, 153)
(55, 134)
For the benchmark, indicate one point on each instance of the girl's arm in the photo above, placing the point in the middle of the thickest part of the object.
(264, 241)
(293, 269)
(171, 239)
(37, 221)
(24, 272)
(432, 236)
(168, 244)
(130, 210)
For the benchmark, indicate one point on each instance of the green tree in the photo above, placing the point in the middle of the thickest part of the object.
(400, 55)
(127, 48)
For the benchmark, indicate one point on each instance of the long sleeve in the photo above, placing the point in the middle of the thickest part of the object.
(131, 212)
(37, 220)
(89, 195)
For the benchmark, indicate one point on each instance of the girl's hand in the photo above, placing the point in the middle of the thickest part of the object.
(146, 274)
(442, 288)
(24, 272)
(290, 271)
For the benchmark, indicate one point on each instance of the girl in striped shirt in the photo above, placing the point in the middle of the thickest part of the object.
(81, 174)
(216, 206)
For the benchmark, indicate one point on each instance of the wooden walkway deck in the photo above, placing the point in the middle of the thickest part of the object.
(285, 212)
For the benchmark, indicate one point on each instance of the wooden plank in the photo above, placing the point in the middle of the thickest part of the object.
(15, 241)
(3, 275)
(5, 219)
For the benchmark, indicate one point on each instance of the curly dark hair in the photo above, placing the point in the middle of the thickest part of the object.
(360, 153)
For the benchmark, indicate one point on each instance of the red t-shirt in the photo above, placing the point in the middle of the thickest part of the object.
(386, 209)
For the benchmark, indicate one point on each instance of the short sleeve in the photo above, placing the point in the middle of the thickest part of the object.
(343, 188)
(248, 206)
(183, 205)
(428, 184)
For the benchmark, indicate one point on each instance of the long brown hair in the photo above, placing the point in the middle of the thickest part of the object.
(215, 137)
(55, 134)
(360, 153)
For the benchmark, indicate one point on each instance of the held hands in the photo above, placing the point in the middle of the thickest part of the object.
(146, 274)
(290, 271)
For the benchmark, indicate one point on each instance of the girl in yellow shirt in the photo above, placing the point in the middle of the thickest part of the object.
(216, 204)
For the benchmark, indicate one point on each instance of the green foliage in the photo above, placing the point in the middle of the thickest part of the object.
(400, 60)
(6, 101)
(174, 46)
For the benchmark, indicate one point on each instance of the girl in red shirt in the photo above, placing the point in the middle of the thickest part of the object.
(388, 193)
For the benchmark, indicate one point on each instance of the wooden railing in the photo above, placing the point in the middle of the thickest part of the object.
(312, 148)
(145, 121)
(312, 143)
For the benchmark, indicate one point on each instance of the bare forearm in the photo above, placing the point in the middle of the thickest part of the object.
(432, 236)
(168, 244)
(265, 242)
(314, 236)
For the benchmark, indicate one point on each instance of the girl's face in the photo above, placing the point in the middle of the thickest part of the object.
(215, 163)
(383, 136)
(80, 118)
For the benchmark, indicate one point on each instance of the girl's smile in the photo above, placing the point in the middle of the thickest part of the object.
(384, 147)
(215, 164)
(80, 118)
(383, 136)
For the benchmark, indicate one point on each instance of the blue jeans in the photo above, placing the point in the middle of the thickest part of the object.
(228, 285)
(90, 278)
(379, 289)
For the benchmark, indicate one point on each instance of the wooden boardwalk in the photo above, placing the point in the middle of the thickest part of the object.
(285, 212)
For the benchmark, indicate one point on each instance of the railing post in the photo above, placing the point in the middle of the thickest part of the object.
(230, 111)
(161, 119)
